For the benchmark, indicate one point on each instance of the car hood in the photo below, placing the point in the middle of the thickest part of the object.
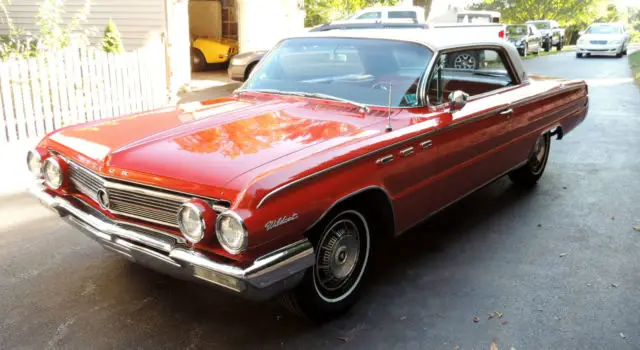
(607, 37)
(203, 147)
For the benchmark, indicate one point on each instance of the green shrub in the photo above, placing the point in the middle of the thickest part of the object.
(635, 36)
(111, 42)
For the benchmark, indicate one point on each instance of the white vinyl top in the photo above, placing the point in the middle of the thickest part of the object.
(434, 39)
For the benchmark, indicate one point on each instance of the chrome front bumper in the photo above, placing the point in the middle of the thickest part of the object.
(267, 276)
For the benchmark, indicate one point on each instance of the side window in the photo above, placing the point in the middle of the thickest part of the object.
(475, 72)
(402, 14)
(370, 15)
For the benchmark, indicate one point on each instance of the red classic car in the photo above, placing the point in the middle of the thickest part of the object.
(337, 141)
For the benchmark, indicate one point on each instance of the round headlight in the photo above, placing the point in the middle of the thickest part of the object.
(52, 172)
(191, 222)
(34, 162)
(231, 232)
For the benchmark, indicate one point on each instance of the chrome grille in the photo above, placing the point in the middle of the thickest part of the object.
(132, 201)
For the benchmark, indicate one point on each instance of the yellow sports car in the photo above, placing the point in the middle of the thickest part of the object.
(206, 51)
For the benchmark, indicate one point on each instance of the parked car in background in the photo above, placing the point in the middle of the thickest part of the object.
(291, 186)
(525, 37)
(206, 51)
(606, 39)
(478, 17)
(413, 14)
(552, 34)
(242, 65)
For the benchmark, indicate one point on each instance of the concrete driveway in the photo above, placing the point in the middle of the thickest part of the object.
(560, 263)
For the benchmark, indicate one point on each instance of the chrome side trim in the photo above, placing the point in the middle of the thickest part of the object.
(398, 143)
(352, 194)
(407, 151)
(385, 160)
(426, 144)
(460, 198)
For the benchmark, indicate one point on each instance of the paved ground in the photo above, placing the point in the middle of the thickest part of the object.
(561, 264)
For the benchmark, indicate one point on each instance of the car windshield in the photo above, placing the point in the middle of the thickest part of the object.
(603, 29)
(542, 25)
(517, 30)
(361, 71)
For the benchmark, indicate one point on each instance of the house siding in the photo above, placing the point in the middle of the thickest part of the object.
(138, 21)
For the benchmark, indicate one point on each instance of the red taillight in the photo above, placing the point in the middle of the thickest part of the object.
(501, 34)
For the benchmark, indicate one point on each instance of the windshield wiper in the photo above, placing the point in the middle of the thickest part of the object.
(322, 96)
(318, 95)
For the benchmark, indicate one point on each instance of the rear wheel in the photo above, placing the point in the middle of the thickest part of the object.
(560, 45)
(547, 45)
(578, 55)
(332, 286)
(528, 175)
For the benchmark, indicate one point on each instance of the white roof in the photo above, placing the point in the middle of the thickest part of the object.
(433, 39)
(469, 12)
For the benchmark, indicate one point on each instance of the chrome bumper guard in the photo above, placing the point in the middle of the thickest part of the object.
(268, 276)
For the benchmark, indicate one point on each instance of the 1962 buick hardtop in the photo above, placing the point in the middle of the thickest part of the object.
(336, 141)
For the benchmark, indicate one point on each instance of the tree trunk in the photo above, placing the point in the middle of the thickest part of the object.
(426, 4)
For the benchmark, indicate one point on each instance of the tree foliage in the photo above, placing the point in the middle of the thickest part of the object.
(566, 12)
(111, 41)
(323, 11)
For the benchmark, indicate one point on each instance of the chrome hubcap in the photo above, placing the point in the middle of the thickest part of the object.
(338, 255)
(464, 62)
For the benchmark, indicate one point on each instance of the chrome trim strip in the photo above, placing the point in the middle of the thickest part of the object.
(407, 151)
(410, 139)
(283, 266)
(459, 199)
(426, 144)
(385, 160)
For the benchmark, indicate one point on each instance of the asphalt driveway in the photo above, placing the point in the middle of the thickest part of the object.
(558, 266)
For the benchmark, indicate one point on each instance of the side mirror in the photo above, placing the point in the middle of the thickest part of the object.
(581, 33)
(458, 99)
(338, 57)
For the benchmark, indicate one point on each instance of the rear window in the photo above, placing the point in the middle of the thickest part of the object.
(403, 14)
(603, 29)
(542, 25)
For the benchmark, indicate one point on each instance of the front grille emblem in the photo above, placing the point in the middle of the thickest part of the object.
(103, 199)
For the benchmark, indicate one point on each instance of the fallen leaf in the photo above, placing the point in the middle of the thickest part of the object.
(622, 335)
(403, 318)
(637, 228)
(613, 218)
(539, 225)
(499, 314)
(344, 339)
(562, 255)
(512, 348)
(540, 310)
(505, 322)
(491, 315)
(564, 187)
(588, 284)
(614, 285)
(476, 320)
(494, 346)
(456, 347)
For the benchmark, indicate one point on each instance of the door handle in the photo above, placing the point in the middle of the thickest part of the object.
(507, 113)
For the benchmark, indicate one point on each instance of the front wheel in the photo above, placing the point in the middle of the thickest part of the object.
(198, 62)
(331, 287)
(547, 46)
(559, 46)
(525, 50)
(528, 175)
(578, 55)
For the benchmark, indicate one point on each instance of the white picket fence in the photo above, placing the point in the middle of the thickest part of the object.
(42, 94)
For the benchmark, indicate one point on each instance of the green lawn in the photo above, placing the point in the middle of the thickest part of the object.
(634, 61)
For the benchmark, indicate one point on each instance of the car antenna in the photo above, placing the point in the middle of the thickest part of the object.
(389, 128)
